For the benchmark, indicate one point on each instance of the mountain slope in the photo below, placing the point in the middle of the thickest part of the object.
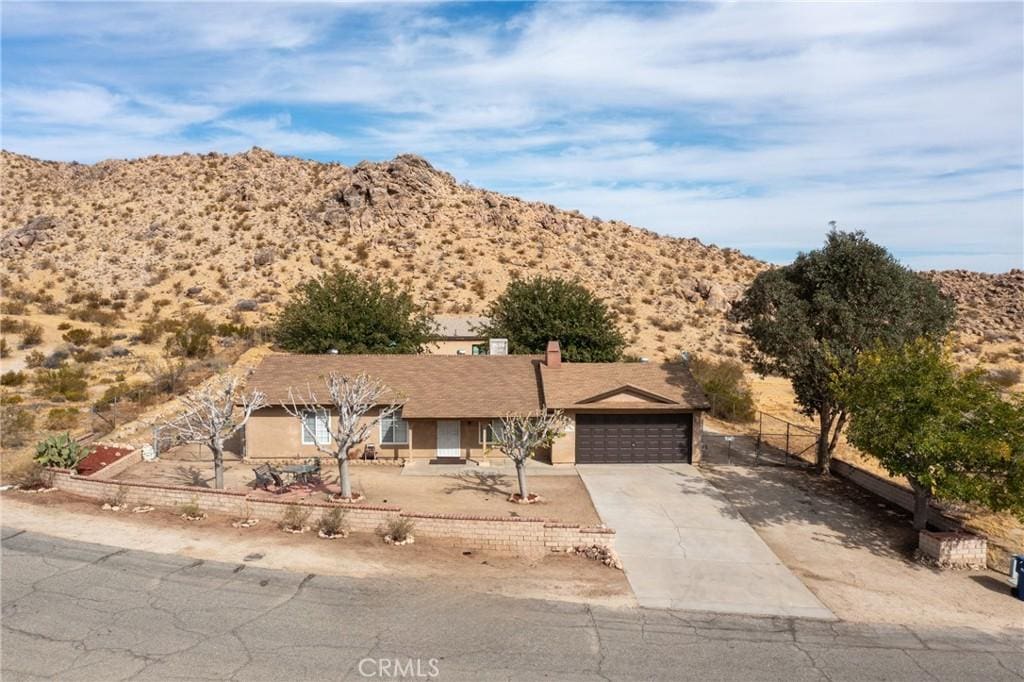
(227, 233)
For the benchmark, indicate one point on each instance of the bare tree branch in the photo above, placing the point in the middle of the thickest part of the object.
(352, 399)
(211, 415)
(518, 436)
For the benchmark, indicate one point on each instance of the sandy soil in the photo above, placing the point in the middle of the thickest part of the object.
(856, 553)
(559, 577)
(565, 498)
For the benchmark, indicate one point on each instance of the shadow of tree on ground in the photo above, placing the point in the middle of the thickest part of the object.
(487, 482)
(841, 513)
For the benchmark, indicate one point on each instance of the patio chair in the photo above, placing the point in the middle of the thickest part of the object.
(370, 451)
(265, 475)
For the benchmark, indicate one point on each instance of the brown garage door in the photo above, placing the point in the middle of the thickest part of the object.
(605, 438)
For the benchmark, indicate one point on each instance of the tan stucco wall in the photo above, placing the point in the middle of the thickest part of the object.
(272, 433)
(563, 450)
(453, 347)
(695, 444)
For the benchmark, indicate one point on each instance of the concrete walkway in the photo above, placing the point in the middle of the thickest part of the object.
(685, 547)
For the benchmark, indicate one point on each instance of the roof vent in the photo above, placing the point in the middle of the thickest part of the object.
(497, 346)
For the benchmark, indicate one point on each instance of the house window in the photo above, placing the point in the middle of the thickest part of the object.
(489, 431)
(394, 430)
(316, 427)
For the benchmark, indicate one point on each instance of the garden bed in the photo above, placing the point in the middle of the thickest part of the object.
(101, 457)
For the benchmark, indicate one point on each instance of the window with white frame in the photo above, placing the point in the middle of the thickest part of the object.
(394, 430)
(316, 427)
(490, 431)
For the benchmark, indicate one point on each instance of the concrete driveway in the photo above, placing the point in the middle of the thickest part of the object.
(684, 546)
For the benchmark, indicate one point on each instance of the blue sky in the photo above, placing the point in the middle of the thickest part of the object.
(748, 125)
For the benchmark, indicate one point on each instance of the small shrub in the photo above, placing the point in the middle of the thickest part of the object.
(333, 523)
(62, 418)
(59, 451)
(5, 349)
(31, 475)
(119, 499)
(35, 359)
(192, 511)
(294, 518)
(12, 378)
(69, 383)
(31, 335)
(77, 336)
(192, 339)
(16, 423)
(726, 386)
(399, 529)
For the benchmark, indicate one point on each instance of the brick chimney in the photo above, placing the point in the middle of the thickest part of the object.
(553, 356)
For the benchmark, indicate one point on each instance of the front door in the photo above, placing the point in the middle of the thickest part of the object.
(448, 439)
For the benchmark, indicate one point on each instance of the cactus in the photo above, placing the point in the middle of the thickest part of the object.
(59, 451)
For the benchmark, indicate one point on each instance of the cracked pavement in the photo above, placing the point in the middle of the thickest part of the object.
(79, 611)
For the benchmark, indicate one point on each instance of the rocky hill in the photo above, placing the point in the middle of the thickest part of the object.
(231, 235)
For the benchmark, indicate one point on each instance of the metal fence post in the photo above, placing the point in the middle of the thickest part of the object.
(787, 443)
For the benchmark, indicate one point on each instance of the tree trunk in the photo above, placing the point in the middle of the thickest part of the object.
(521, 475)
(218, 466)
(823, 454)
(922, 496)
(343, 480)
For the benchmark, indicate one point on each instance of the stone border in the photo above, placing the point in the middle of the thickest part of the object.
(953, 550)
(513, 535)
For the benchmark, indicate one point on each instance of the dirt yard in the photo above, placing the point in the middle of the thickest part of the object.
(483, 493)
(561, 577)
(855, 552)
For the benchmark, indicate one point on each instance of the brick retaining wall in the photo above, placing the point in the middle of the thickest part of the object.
(520, 536)
(954, 550)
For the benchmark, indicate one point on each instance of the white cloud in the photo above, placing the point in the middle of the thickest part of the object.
(749, 124)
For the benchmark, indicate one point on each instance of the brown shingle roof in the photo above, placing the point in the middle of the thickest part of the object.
(668, 386)
(430, 386)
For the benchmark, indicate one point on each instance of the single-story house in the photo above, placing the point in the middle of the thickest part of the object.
(617, 411)
(458, 335)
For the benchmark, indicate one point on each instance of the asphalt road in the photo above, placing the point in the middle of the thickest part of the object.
(81, 611)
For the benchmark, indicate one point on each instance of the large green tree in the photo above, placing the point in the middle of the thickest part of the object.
(532, 312)
(344, 311)
(812, 318)
(951, 434)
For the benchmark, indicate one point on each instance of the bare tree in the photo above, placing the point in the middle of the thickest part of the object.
(519, 436)
(213, 414)
(352, 399)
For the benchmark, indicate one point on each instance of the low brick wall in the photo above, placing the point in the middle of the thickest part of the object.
(519, 536)
(953, 550)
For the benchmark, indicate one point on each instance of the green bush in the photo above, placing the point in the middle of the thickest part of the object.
(12, 378)
(530, 313)
(69, 383)
(59, 451)
(345, 311)
(34, 359)
(726, 386)
(192, 338)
